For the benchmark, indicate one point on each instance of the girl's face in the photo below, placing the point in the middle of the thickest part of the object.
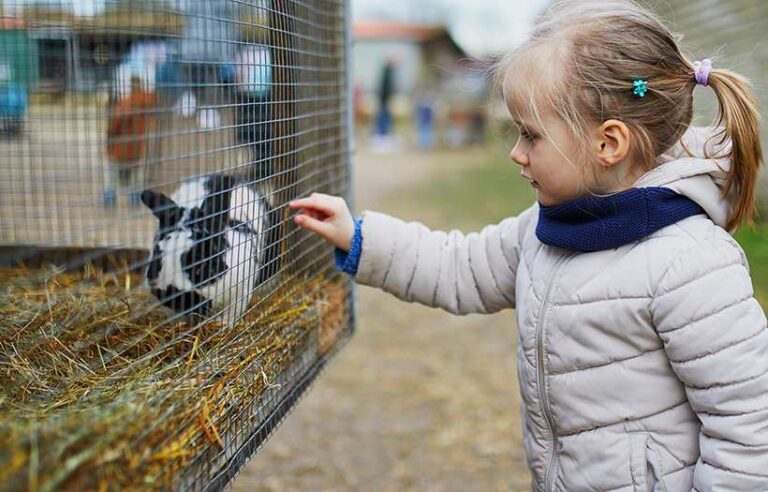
(543, 164)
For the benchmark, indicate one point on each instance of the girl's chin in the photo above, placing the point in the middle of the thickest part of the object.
(547, 201)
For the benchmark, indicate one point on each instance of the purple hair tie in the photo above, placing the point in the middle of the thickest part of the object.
(702, 71)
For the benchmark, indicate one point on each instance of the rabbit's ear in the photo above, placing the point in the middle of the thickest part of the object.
(165, 209)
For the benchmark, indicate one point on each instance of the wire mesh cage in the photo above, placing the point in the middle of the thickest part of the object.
(159, 314)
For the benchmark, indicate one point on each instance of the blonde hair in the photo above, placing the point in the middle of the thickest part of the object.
(579, 65)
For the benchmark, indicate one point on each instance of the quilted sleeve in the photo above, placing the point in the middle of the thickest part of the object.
(714, 333)
(473, 273)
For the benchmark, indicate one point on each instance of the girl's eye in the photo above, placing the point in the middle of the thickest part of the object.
(528, 136)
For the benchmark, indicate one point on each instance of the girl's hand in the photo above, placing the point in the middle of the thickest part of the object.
(328, 216)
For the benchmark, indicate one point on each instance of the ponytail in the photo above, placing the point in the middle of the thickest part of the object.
(739, 117)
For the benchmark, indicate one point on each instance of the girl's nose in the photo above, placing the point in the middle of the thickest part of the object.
(518, 155)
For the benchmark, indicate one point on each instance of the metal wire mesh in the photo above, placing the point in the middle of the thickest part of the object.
(160, 313)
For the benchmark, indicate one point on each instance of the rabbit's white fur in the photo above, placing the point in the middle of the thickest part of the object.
(245, 232)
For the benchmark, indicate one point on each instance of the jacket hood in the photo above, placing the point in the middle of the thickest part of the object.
(696, 167)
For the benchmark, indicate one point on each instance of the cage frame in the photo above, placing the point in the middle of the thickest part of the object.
(283, 400)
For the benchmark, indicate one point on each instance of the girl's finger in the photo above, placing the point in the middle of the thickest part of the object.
(310, 201)
(298, 203)
(316, 214)
(319, 201)
(314, 225)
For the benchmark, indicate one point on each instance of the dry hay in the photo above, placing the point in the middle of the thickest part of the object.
(97, 393)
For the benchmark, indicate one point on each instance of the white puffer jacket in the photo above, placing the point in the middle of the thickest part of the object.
(643, 367)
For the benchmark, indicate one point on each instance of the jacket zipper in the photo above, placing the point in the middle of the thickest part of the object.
(548, 476)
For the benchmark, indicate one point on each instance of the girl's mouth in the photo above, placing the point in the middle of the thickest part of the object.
(531, 181)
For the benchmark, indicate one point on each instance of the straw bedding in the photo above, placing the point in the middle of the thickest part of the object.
(100, 392)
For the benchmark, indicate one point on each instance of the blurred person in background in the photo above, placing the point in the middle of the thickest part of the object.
(383, 138)
(129, 122)
(424, 117)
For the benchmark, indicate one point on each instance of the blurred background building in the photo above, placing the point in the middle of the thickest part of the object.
(54, 49)
(434, 80)
(442, 52)
(422, 50)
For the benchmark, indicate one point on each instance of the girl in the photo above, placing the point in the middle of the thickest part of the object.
(642, 354)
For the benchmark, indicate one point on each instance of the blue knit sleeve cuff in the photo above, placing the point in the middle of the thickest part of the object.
(348, 261)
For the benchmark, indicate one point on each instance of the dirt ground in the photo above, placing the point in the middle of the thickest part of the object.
(418, 399)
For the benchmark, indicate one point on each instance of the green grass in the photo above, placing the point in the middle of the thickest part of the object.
(487, 188)
(755, 244)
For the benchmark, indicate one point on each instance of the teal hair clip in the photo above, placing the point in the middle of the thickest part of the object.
(641, 87)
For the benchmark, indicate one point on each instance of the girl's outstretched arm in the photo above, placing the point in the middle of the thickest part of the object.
(715, 336)
(473, 273)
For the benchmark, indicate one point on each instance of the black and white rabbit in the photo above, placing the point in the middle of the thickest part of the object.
(217, 240)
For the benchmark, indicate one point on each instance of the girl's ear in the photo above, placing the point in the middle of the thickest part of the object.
(165, 209)
(612, 142)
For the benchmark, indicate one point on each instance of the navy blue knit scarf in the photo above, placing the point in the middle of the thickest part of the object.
(596, 223)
